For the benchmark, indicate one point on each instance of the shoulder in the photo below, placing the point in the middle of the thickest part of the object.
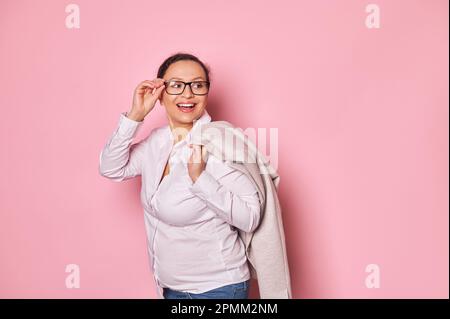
(157, 135)
(221, 125)
(218, 130)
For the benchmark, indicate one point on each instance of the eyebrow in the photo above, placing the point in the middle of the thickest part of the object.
(199, 77)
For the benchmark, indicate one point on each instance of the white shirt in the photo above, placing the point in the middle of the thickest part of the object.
(192, 242)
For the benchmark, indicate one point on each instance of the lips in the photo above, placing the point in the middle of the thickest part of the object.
(186, 107)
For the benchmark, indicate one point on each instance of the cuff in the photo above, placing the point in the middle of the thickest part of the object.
(127, 126)
(205, 185)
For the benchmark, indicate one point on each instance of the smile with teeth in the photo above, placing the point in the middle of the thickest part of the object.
(186, 105)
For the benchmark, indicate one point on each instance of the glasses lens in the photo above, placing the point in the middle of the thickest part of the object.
(176, 87)
(200, 87)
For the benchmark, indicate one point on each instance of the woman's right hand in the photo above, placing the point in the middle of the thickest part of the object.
(144, 99)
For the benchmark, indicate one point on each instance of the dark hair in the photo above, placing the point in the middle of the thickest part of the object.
(180, 56)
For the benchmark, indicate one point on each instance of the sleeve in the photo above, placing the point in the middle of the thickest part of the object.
(237, 202)
(119, 159)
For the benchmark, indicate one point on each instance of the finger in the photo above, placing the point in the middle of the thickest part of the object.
(204, 153)
(157, 91)
(153, 83)
(192, 154)
(147, 82)
(146, 85)
(197, 153)
(158, 82)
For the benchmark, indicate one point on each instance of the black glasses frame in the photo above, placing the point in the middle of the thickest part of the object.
(184, 87)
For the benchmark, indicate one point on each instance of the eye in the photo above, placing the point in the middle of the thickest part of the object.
(175, 84)
(198, 85)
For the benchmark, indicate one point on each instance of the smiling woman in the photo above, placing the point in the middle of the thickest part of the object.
(187, 86)
(194, 204)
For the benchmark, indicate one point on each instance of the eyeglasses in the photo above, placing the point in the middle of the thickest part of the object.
(177, 87)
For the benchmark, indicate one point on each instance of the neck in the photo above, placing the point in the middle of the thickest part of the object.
(179, 130)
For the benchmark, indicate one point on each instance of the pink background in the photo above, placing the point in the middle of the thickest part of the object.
(362, 118)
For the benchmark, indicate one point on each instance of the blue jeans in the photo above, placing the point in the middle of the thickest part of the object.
(233, 291)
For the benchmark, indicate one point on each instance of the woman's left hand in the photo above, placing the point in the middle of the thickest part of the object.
(197, 161)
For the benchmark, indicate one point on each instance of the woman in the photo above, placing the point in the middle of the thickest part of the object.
(193, 203)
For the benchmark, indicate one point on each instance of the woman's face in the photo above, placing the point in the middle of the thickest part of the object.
(185, 71)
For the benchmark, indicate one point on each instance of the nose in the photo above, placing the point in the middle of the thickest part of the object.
(187, 91)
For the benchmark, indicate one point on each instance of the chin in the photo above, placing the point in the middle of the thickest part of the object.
(187, 116)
